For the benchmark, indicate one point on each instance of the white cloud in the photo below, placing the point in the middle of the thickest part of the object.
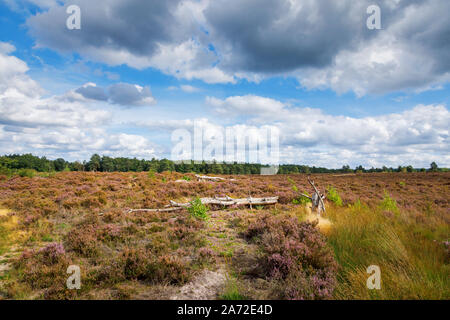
(67, 125)
(124, 94)
(189, 89)
(245, 105)
(324, 44)
(416, 136)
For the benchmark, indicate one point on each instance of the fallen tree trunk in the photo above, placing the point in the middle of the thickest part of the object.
(209, 178)
(227, 201)
(201, 178)
(222, 201)
(155, 210)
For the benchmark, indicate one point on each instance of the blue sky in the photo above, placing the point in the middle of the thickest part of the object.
(336, 92)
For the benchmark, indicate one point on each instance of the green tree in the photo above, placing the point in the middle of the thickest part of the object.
(60, 164)
(434, 167)
(94, 163)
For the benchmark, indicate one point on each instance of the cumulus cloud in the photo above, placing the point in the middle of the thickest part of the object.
(419, 135)
(91, 91)
(324, 43)
(141, 34)
(245, 105)
(63, 125)
(124, 94)
(128, 94)
(189, 89)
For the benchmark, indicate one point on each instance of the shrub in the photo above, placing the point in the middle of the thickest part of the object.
(83, 240)
(45, 269)
(299, 200)
(197, 209)
(334, 196)
(52, 253)
(388, 203)
(110, 232)
(29, 173)
(295, 256)
(142, 264)
(206, 255)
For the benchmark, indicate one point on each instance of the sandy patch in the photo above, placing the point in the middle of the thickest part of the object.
(4, 212)
(324, 224)
(205, 286)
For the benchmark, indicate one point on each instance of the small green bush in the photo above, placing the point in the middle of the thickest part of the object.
(334, 196)
(198, 209)
(30, 173)
(388, 204)
(301, 200)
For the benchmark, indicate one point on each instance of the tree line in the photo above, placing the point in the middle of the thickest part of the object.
(15, 162)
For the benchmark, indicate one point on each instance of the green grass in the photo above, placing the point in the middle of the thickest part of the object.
(228, 253)
(232, 292)
(413, 266)
(3, 239)
(47, 238)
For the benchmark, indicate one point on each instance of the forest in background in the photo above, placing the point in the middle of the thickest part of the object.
(26, 164)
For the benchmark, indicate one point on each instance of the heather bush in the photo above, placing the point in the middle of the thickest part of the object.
(110, 232)
(44, 269)
(295, 257)
(83, 240)
(52, 253)
(206, 255)
(142, 264)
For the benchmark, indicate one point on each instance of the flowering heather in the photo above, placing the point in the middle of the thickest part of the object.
(296, 255)
(82, 218)
(52, 253)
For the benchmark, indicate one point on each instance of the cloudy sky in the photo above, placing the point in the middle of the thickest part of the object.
(337, 92)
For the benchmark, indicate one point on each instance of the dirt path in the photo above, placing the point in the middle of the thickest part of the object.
(224, 240)
(206, 286)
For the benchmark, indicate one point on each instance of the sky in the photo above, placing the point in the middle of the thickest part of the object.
(137, 75)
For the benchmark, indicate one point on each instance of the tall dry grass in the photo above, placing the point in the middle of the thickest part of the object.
(409, 251)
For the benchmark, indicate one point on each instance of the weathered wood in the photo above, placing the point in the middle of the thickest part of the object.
(227, 201)
(317, 199)
(304, 195)
(201, 178)
(155, 210)
(222, 201)
(209, 178)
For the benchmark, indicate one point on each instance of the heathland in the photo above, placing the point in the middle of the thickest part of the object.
(397, 221)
